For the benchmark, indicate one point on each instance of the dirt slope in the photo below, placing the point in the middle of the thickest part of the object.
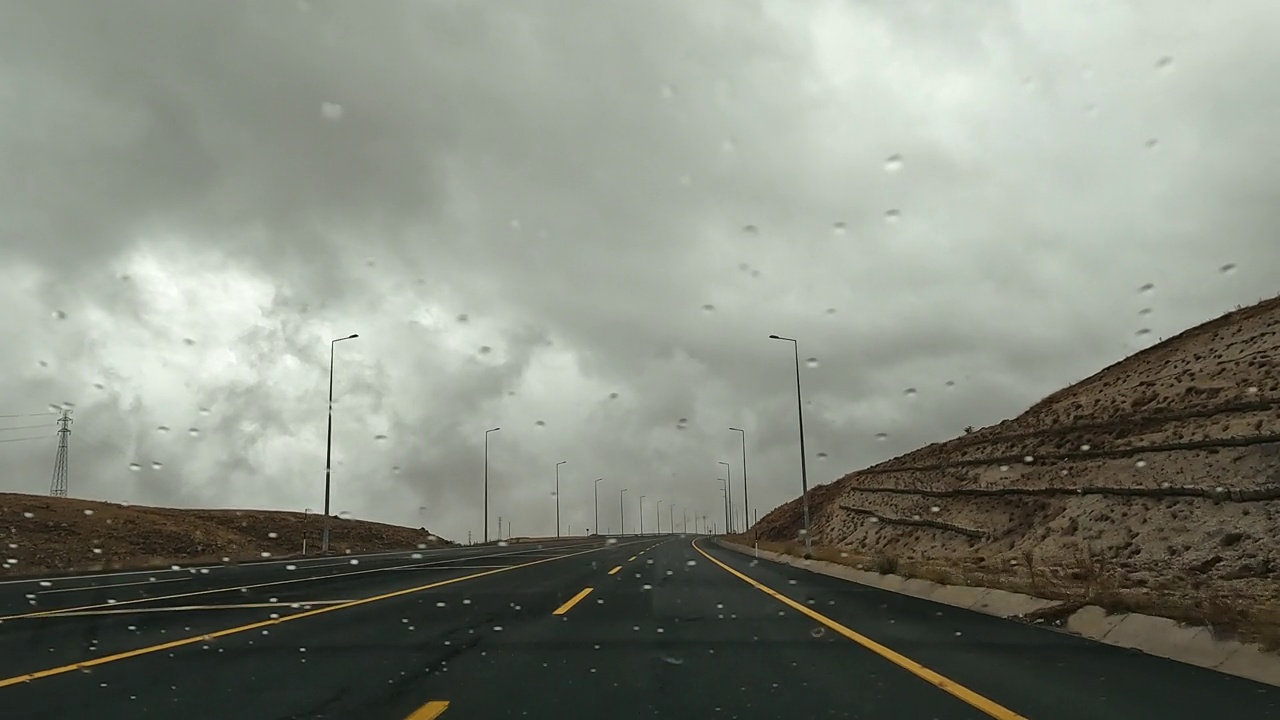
(47, 534)
(1153, 485)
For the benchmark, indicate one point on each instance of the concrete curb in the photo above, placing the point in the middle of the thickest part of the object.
(1146, 633)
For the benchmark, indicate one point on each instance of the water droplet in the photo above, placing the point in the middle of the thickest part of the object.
(156, 465)
(690, 563)
(1004, 468)
(193, 432)
(1143, 331)
(379, 437)
(1140, 463)
(59, 315)
(540, 423)
(892, 216)
(99, 386)
(1086, 448)
(264, 554)
(88, 512)
(1227, 269)
(840, 228)
(882, 436)
(464, 318)
(934, 508)
(812, 362)
(485, 349)
(1028, 459)
(1164, 63)
(273, 535)
(290, 568)
(353, 561)
(910, 392)
(345, 515)
(613, 396)
(1152, 143)
(818, 632)
(28, 515)
(1147, 288)
(822, 456)
(205, 411)
(331, 110)
(502, 543)
(893, 163)
(729, 145)
(135, 466)
(831, 311)
(188, 342)
(750, 230)
(708, 308)
(669, 91)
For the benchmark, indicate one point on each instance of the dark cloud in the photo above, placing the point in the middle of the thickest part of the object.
(195, 198)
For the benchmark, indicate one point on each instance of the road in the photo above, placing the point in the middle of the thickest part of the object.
(656, 627)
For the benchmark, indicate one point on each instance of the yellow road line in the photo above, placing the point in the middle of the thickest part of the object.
(417, 565)
(430, 711)
(615, 570)
(568, 605)
(990, 707)
(103, 660)
(631, 559)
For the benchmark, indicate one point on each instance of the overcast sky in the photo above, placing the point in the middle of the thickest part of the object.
(580, 221)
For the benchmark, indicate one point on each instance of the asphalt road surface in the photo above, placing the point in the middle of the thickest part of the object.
(626, 628)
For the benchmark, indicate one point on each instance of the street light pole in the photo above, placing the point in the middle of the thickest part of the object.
(746, 504)
(595, 486)
(657, 517)
(642, 497)
(558, 496)
(622, 514)
(486, 485)
(671, 519)
(728, 473)
(328, 445)
(724, 491)
(804, 472)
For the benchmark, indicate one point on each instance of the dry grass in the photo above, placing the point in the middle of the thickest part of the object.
(46, 535)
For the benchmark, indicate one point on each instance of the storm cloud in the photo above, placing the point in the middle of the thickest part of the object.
(581, 221)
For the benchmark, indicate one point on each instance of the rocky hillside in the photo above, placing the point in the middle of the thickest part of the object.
(1153, 485)
(41, 534)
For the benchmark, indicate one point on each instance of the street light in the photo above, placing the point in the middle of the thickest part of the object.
(728, 493)
(724, 490)
(595, 486)
(622, 514)
(486, 485)
(642, 497)
(746, 504)
(328, 444)
(558, 496)
(804, 472)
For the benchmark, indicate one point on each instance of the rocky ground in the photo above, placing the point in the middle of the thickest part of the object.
(1152, 486)
(41, 534)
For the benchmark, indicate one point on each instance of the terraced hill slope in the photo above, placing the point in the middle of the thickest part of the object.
(1153, 485)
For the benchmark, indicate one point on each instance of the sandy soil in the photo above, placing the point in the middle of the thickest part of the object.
(1153, 486)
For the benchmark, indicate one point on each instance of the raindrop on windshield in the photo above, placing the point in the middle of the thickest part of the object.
(893, 163)
(812, 362)
(331, 110)
(910, 392)
(1227, 269)
(892, 216)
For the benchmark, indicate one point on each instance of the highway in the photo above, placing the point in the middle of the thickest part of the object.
(653, 627)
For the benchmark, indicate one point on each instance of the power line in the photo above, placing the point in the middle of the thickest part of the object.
(22, 427)
(41, 437)
(41, 414)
